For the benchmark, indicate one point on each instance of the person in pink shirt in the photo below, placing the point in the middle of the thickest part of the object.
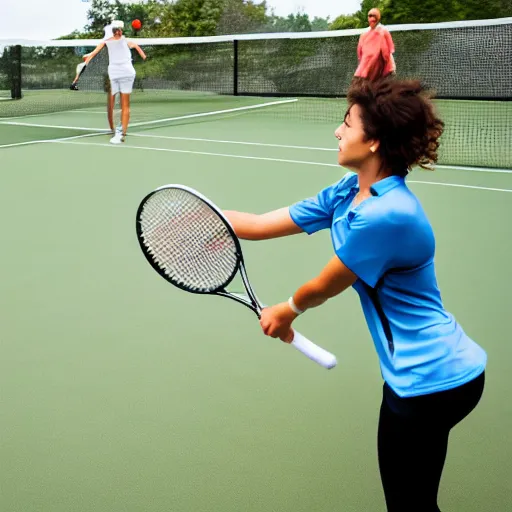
(375, 50)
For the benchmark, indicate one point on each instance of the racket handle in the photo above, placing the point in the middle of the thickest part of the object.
(314, 352)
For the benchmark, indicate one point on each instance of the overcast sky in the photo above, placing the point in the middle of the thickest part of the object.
(48, 19)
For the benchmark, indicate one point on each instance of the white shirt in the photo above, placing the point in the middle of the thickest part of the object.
(120, 59)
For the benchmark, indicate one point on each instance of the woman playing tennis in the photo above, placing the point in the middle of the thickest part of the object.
(121, 74)
(111, 99)
(384, 248)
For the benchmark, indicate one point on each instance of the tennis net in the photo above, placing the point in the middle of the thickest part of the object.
(467, 64)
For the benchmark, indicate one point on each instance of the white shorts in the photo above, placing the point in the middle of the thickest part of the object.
(122, 85)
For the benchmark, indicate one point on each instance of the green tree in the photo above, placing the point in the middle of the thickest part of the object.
(189, 18)
(395, 12)
(100, 14)
(319, 24)
(428, 11)
(360, 18)
(297, 22)
(150, 13)
(242, 17)
(175, 18)
(344, 22)
(490, 9)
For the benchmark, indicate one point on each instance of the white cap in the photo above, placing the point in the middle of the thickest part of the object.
(108, 32)
(108, 28)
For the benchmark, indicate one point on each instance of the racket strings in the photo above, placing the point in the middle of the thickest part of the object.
(188, 240)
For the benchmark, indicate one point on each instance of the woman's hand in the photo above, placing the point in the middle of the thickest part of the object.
(276, 321)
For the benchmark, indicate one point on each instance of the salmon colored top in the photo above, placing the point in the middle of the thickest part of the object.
(371, 43)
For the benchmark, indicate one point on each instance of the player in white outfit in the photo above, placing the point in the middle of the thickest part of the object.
(121, 74)
(81, 68)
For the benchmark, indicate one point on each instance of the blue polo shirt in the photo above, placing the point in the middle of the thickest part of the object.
(388, 242)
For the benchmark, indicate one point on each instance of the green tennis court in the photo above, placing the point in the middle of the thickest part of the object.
(121, 393)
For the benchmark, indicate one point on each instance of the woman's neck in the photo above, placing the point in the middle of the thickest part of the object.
(371, 172)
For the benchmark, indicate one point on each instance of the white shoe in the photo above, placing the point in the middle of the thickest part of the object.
(118, 138)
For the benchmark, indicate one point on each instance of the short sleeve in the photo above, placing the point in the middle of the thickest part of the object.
(315, 213)
(369, 245)
(389, 41)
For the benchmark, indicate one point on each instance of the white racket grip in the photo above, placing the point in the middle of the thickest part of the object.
(314, 352)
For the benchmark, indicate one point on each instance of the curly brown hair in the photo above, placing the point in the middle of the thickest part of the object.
(401, 116)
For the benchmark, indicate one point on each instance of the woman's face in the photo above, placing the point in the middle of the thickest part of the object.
(373, 18)
(353, 148)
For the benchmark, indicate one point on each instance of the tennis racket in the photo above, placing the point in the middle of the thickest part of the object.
(192, 245)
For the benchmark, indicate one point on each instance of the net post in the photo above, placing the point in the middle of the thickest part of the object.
(15, 72)
(235, 67)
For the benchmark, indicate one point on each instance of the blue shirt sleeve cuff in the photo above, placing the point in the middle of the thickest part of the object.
(365, 274)
(307, 227)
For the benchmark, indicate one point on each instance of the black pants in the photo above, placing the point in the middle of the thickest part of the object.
(413, 440)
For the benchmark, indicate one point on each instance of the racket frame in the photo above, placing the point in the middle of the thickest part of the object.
(253, 303)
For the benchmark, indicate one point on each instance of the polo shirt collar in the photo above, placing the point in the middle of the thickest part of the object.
(383, 186)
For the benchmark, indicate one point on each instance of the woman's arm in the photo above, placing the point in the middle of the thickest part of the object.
(94, 53)
(334, 278)
(250, 226)
(131, 44)
(360, 48)
(388, 47)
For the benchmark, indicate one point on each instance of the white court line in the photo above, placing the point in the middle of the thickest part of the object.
(58, 112)
(167, 150)
(225, 111)
(312, 148)
(29, 115)
(245, 108)
(104, 112)
(28, 143)
(238, 109)
(460, 186)
(96, 112)
(194, 139)
(37, 125)
(475, 169)
(243, 157)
